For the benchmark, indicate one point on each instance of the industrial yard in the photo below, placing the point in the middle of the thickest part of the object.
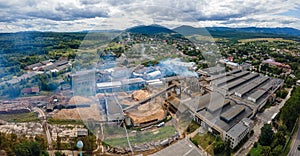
(149, 102)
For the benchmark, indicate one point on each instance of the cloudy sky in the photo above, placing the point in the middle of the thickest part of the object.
(77, 15)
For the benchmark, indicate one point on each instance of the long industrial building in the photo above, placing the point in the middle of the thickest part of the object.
(240, 81)
(123, 85)
(241, 92)
(231, 101)
(215, 113)
(230, 78)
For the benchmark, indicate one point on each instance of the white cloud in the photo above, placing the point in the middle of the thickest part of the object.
(74, 15)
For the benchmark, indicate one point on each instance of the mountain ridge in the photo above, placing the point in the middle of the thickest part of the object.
(189, 30)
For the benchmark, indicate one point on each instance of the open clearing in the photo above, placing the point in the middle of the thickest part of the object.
(265, 39)
(21, 117)
(143, 137)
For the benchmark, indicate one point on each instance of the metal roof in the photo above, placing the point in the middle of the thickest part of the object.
(180, 148)
(237, 129)
(230, 78)
(256, 95)
(133, 80)
(109, 84)
(258, 81)
(232, 113)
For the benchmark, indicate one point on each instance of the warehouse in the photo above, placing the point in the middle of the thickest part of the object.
(256, 95)
(217, 104)
(241, 81)
(223, 81)
(155, 82)
(181, 148)
(154, 74)
(229, 115)
(268, 86)
(124, 85)
(213, 111)
(230, 78)
(241, 74)
(132, 84)
(109, 86)
(214, 77)
(238, 132)
(211, 71)
(246, 89)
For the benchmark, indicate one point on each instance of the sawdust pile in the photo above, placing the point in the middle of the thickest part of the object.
(139, 95)
(79, 100)
(91, 112)
(84, 113)
(148, 112)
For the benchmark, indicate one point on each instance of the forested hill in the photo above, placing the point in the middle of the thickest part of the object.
(240, 33)
(38, 42)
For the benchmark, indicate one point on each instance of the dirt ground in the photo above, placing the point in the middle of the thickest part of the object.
(147, 112)
(79, 113)
(85, 113)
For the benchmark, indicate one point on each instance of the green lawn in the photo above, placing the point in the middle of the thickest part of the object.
(205, 141)
(142, 137)
(192, 127)
(64, 121)
(22, 117)
(256, 151)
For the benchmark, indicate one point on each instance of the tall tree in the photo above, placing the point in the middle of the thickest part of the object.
(267, 135)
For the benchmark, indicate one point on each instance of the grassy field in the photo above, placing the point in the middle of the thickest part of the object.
(142, 137)
(22, 117)
(205, 141)
(65, 122)
(265, 39)
(192, 127)
(201, 38)
(256, 151)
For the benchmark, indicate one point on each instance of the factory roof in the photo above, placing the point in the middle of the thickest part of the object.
(232, 113)
(240, 74)
(180, 148)
(213, 70)
(252, 85)
(268, 86)
(240, 81)
(211, 100)
(109, 84)
(60, 63)
(213, 77)
(234, 84)
(224, 80)
(257, 94)
(250, 76)
(154, 74)
(239, 128)
(217, 103)
(231, 77)
(133, 80)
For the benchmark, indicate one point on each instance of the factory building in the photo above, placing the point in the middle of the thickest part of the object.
(214, 112)
(83, 82)
(249, 87)
(238, 132)
(211, 71)
(123, 85)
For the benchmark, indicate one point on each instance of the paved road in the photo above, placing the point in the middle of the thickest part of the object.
(45, 126)
(296, 141)
(267, 115)
(262, 118)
